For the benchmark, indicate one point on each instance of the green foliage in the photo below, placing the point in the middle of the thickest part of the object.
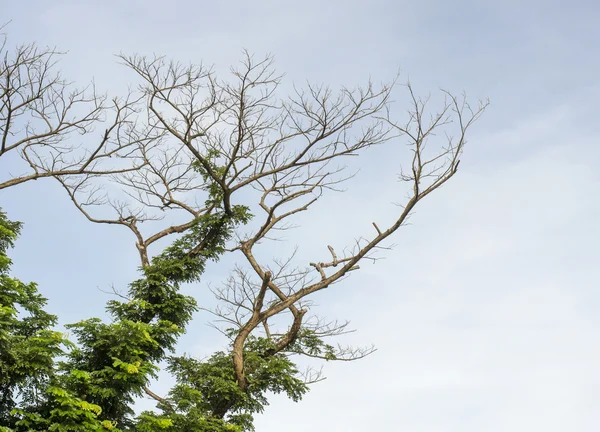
(211, 386)
(111, 365)
(308, 342)
(28, 346)
(114, 361)
(214, 189)
(207, 390)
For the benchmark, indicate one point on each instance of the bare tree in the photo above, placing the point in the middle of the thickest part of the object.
(41, 115)
(280, 200)
(219, 138)
(222, 141)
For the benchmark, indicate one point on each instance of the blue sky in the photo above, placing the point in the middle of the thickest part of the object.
(485, 312)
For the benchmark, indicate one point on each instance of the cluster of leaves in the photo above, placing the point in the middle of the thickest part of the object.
(207, 390)
(118, 359)
(308, 342)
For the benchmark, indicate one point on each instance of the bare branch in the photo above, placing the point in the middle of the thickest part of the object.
(41, 113)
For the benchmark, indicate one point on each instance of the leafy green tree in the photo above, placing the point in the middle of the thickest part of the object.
(29, 346)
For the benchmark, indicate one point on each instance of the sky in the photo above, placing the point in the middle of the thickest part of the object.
(485, 311)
